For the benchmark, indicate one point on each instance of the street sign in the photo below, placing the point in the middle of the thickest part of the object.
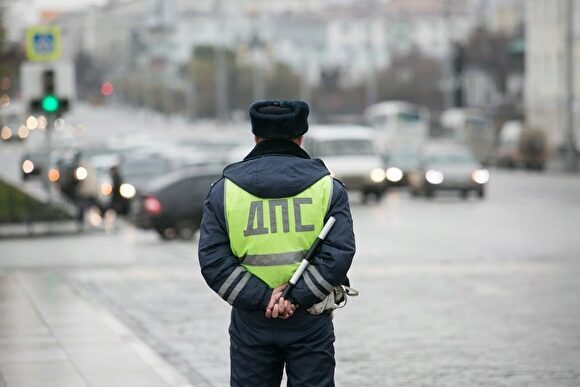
(43, 43)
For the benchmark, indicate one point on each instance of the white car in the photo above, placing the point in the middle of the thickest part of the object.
(349, 153)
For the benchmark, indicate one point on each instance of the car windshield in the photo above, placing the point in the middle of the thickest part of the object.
(209, 145)
(455, 158)
(103, 162)
(409, 117)
(144, 167)
(476, 125)
(402, 159)
(347, 148)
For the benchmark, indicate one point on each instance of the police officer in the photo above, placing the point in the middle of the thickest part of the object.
(259, 220)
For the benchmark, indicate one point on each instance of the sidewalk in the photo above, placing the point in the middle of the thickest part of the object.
(52, 337)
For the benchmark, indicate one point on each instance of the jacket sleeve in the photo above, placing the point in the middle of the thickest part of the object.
(330, 266)
(219, 266)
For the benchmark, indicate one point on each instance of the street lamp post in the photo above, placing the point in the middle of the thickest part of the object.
(257, 51)
(571, 152)
(371, 79)
(221, 70)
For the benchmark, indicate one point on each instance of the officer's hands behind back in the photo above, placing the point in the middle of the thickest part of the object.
(278, 307)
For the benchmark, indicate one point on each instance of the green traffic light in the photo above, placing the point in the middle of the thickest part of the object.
(50, 103)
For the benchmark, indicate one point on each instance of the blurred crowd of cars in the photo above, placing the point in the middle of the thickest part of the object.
(13, 125)
(161, 185)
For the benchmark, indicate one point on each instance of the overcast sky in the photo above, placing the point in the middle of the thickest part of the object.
(22, 13)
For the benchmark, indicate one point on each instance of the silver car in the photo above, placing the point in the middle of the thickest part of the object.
(448, 167)
(350, 155)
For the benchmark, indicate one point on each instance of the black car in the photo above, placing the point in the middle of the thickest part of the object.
(173, 205)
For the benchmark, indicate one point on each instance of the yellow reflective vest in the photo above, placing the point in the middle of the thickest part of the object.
(270, 236)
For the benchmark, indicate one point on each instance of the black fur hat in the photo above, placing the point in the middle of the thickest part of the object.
(279, 119)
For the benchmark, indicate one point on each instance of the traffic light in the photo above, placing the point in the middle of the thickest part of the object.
(49, 102)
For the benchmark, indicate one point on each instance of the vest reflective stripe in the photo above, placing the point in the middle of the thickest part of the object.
(274, 259)
(270, 236)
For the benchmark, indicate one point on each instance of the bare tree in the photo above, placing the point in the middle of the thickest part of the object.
(415, 78)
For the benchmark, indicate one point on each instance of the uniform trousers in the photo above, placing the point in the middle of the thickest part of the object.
(260, 349)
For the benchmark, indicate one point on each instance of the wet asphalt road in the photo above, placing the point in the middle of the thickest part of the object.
(453, 292)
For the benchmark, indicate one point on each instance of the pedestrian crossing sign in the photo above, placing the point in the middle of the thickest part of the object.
(43, 43)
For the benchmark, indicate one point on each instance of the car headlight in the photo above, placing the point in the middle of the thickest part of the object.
(53, 174)
(106, 189)
(127, 190)
(434, 177)
(394, 174)
(32, 122)
(27, 166)
(378, 175)
(81, 173)
(480, 176)
(23, 132)
(6, 133)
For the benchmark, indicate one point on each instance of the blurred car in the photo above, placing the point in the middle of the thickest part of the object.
(74, 170)
(140, 168)
(448, 167)
(12, 123)
(13, 129)
(136, 165)
(472, 128)
(101, 165)
(32, 163)
(207, 151)
(35, 160)
(136, 169)
(350, 155)
(85, 172)
(172, 205)
(519, 146)
(399, 163)
(69, 172)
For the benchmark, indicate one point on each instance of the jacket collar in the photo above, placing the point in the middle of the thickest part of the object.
(277, 147)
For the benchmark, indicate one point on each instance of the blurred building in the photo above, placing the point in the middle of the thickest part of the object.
(479, 88)
(146, 43)
(355, 36)
(504, 16)
(545, 79)
(431, 26)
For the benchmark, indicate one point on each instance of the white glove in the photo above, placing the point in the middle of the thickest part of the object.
(335, 300)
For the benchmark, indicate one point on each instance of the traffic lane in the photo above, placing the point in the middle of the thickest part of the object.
(462, 324)
(439, 325)
(525, 216)
(451, 324)
(468, 293)
(439, 304)
(64, 248)
(10, 155)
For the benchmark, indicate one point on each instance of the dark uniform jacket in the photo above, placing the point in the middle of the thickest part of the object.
(274, 169)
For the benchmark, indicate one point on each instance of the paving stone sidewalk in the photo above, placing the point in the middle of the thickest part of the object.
(51, 336)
